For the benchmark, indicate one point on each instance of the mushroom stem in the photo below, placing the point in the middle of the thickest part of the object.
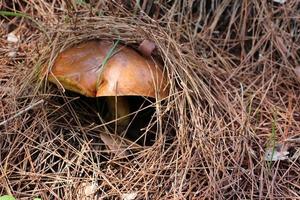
(118, 109)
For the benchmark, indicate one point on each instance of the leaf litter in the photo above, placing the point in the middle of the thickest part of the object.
(211, 135)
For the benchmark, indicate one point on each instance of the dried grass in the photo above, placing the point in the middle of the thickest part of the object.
(231, 66)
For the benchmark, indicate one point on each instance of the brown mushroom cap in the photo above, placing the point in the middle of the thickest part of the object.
(125, 73)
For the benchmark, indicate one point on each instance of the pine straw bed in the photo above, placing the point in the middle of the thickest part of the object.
(234, 94)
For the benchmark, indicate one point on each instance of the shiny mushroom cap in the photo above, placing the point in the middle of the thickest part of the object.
(126, 72)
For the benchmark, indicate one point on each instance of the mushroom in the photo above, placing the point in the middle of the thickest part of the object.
(94, 70)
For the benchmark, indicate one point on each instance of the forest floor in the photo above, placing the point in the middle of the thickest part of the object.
(229, 129)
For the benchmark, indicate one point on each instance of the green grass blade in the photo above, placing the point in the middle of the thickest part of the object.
(273, 141)
(107, 57)
(14, 14)
(19, 14)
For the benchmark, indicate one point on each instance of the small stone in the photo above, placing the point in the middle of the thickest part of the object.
(11, 37)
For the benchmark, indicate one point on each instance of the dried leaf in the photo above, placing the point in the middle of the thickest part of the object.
(279, 152)
(117, 144)
(296, 154)
(146, 48)
(12, 40)
(12, 54)
(87, 189)
(280, 1)
(297, 71)
(129, 196)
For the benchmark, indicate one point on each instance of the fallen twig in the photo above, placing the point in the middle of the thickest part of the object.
(22, 111)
